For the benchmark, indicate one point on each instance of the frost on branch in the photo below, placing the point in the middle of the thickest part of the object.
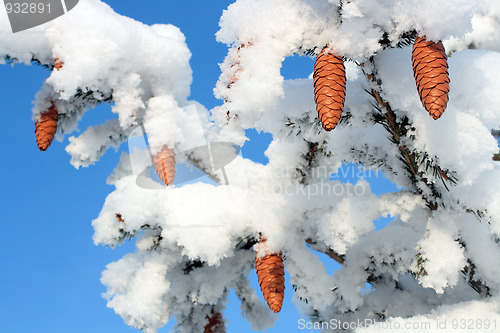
(445, 169)
(195, 240)
(106, 58)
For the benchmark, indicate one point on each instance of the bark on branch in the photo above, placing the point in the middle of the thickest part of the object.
(328, 251)
(397, 130)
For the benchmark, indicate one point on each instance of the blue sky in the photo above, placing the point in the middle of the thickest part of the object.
(50, 266)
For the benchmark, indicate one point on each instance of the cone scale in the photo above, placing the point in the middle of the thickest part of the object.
(430, 69)
(329, 88)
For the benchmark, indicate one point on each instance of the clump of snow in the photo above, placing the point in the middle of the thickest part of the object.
(444, 255)
(485, 32)
(479, 316)
(351, 219)
(106, 55)
(86, 149)
(136, 288)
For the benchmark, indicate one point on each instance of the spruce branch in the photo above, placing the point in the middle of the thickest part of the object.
(372, 278)
(246, 243)
(416, 163)
(191, 265)
(419, 167)
(469, 273)
(310, 52)
(326, 250)
(34, 61)
(404, 40)
(309, 157)
(420, 266)
(93, 96)
(201, 165)
(311, 154)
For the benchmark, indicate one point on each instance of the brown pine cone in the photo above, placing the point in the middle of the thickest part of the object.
(46, 128)
(430, 69)
(164, 164)
(58, 64)
(329, 88)
(271, 276)
(215, 323)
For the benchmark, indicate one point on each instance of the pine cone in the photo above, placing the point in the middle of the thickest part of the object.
(215, 323)
(329, 88)
(164, 163)
(271, 276)
(46, 128)
(430, 69)
(58, 64)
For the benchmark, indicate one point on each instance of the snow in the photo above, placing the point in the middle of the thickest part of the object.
(106, 54)
(138, 288)
(445, 255)
(461, 317)
(189, 236)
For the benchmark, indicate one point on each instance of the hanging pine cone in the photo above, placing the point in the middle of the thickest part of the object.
(46, 128)
(329, 88)
(430, 69)
(215, 323)
(271, 276)
(58, 64)
(164, 164)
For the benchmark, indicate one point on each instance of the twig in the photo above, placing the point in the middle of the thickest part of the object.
(443, 174)
(309, 160)
(397, 131)
(329, 252)
(311, 154)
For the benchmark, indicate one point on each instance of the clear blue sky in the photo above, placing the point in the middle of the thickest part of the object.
(49, 280)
